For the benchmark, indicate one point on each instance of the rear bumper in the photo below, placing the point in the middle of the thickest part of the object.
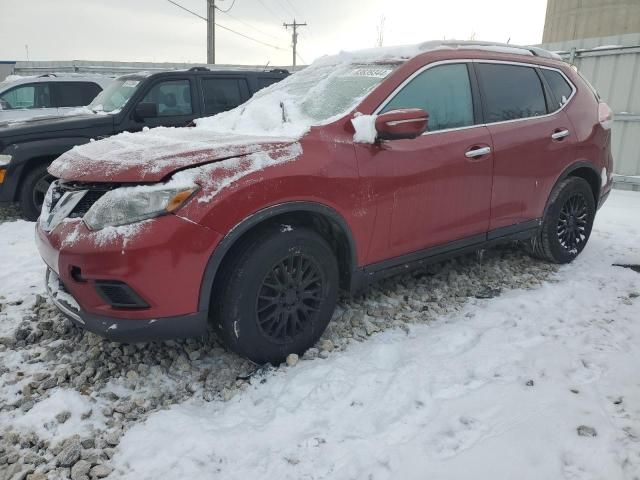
(120, 330)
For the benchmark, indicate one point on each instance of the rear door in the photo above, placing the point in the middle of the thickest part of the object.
(222, 93)
(431, 190)
(66, 96)
(531, 138)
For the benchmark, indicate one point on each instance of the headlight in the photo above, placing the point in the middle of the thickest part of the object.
(4, 160)
(126, 205)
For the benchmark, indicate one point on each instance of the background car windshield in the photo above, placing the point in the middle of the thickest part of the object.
(115, 96)
(313, 96)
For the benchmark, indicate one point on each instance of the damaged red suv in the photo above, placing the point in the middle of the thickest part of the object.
(357, 167)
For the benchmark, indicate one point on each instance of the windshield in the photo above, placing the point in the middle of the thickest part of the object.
(115, 96)
(320, 93)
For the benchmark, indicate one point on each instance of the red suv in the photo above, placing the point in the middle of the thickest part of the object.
(360, 166)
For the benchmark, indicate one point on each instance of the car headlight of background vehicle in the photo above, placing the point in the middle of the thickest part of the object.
(126, 205)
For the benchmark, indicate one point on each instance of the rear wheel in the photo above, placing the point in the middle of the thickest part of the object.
(567, 224)
(277, 294)
(33, 190)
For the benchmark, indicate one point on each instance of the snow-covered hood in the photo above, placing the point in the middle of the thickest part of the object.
(152, 155)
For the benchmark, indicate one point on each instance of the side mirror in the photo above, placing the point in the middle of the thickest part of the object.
(145, 110)
(402, 124)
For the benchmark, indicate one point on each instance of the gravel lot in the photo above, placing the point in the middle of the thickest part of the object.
(108, 387)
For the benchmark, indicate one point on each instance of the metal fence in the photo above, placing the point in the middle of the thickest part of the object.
(612, 65)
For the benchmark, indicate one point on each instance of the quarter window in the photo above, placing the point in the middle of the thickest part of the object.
(221, 94)
(510, 92)
(444, 92)
(559, 87)
(172, 98)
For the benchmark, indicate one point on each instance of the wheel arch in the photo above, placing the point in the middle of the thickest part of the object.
(330, 224)
(581, 169)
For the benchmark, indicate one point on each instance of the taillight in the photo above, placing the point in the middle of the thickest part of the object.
(605, 115)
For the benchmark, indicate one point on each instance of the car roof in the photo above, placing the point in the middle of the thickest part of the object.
(276, 72)
(101, 80)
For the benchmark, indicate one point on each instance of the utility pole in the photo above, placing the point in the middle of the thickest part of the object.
(211, 32)
(295, 26)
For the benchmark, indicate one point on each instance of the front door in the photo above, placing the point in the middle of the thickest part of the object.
(434, 189)
(175, 102)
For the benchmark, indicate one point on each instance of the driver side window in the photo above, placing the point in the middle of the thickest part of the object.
(443, 91)
(27, 96)
(172, 98)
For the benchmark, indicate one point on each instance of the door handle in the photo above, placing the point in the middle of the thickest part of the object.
(477, 152)
(560, 134)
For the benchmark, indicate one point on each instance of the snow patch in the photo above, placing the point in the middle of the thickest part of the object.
(365, 128)
(41, 418)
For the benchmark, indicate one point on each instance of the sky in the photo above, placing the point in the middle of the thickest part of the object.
(157, 31)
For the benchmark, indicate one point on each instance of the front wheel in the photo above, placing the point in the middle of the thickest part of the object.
(32, 192)
(567, 224)
(278, 294)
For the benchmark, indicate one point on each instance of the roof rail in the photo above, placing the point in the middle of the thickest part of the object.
(536, 51)
(278, 70)
(199, 69)
(47, 75)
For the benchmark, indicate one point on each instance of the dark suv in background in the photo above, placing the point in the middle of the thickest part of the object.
(130, 103)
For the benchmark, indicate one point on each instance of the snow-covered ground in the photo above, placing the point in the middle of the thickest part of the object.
(536, 383)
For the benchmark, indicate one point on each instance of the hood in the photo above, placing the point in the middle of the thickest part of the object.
(41, 125)
(152, 155)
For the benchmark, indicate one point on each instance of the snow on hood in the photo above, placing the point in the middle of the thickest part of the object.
(151, 155)
(280, 114)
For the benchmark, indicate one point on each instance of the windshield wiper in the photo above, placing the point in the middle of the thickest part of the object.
(284, 113)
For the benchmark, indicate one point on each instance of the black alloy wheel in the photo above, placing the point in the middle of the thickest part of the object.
(290, 297)
(567, 222)
(572, 223)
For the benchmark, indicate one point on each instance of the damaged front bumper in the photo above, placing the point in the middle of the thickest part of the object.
(123, 330)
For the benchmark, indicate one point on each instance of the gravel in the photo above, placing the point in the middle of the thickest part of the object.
(123, 384)
(9, 213)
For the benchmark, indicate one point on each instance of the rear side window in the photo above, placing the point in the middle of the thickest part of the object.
(560, 88)
(35, 95)
(221, 94)
(443, 91)
(510, 92)
(73, 94)
(264, 82)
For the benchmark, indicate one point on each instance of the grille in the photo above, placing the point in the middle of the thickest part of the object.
(83, 205)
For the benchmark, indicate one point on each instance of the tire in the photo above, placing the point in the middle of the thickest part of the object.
(567, 223)
(32, 191)
(277, 294)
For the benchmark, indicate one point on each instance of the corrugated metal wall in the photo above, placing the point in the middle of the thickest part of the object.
(612, 65)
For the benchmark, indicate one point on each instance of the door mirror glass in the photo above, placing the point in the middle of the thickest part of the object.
(401, 124)
(146, 110)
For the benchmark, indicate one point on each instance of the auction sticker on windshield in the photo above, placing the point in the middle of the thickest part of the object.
(375, 72)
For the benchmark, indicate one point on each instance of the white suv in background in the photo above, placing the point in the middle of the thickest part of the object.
(23, 98)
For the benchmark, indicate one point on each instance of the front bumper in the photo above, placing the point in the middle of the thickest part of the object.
(163, 262)
(119, 330)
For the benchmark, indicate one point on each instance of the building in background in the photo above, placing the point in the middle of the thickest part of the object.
(578, 19)
(601, 38)
(6, 69)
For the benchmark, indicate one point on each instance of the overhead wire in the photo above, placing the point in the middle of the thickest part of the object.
(227, 28)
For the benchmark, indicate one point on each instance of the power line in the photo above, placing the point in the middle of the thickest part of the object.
(292, 7)
(251, 26)
(227, 28)
(274, 14)
(228, 9)
(187, 10)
